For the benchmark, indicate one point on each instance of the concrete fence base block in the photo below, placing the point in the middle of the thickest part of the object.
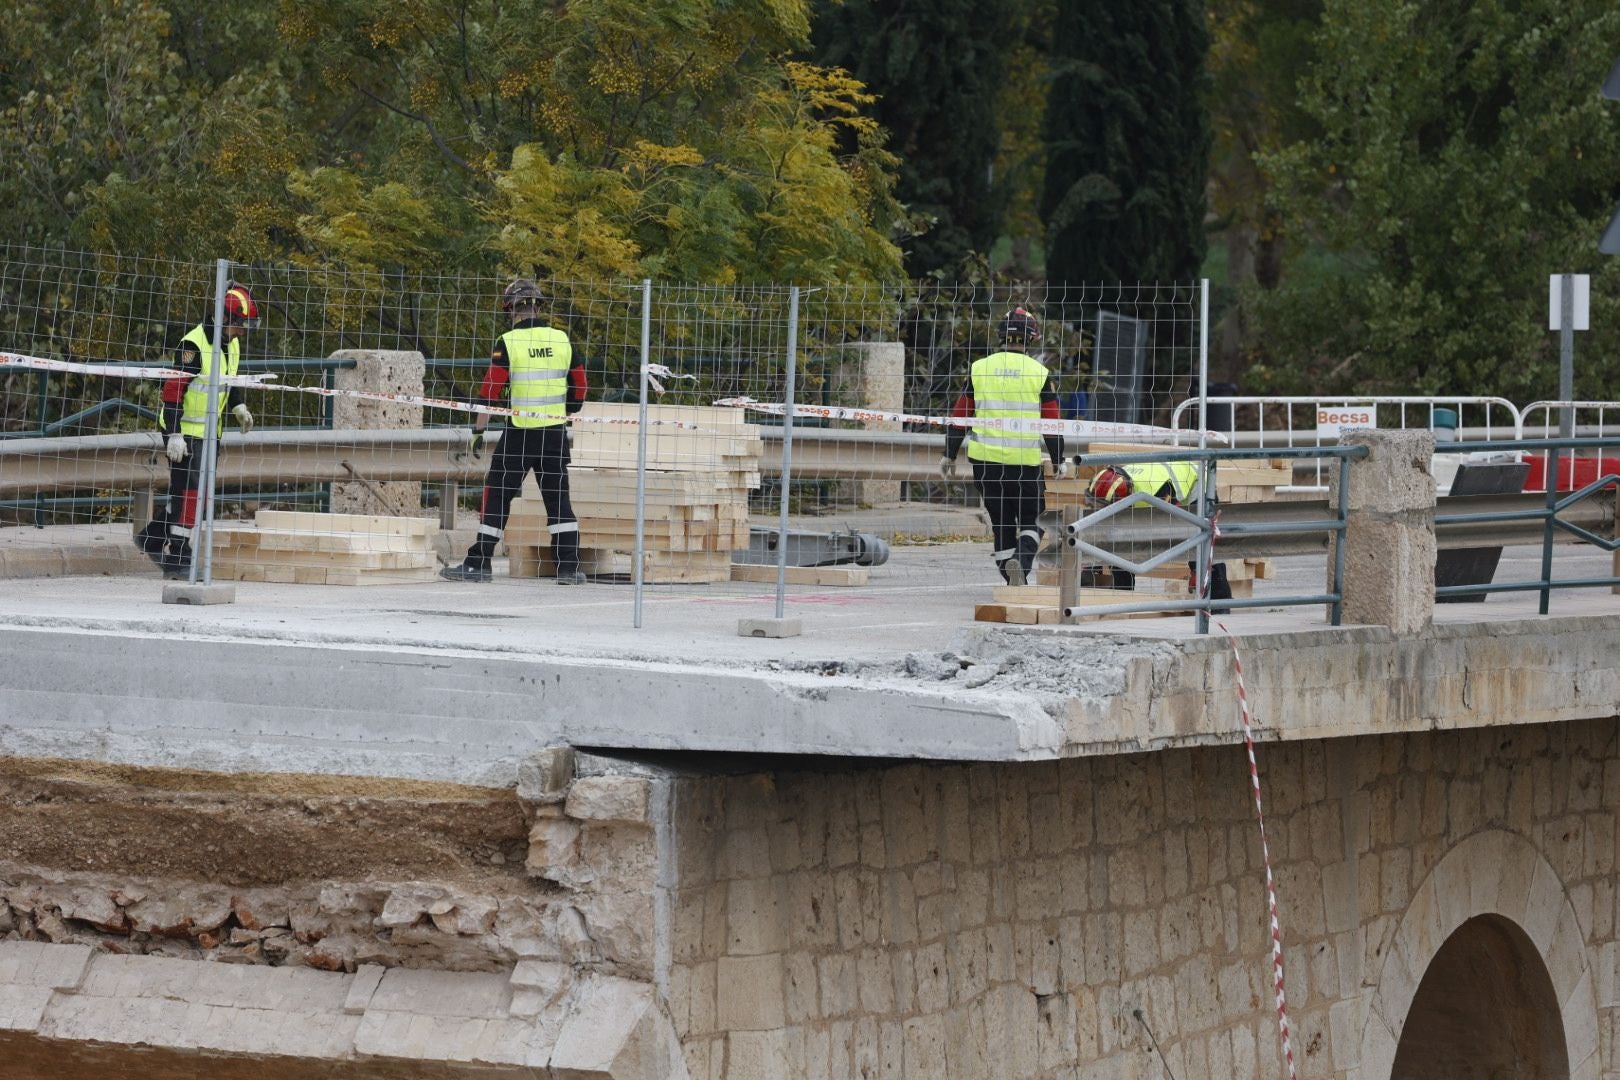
(770, 628)
(199, 595)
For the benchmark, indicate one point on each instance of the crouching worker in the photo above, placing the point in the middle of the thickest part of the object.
(1176, 482)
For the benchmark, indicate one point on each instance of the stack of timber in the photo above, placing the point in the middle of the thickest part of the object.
(1039, 604)
(698, 480)
(306, 548)
(1241, 574)
(1249, 481)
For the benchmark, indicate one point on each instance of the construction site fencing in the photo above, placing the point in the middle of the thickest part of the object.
(734, 437)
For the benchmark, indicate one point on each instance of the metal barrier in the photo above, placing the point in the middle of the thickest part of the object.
(1554, 516)
(1198, 531)
(1550, 425)
(1481, 418)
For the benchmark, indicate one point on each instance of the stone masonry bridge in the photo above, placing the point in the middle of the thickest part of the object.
(463, 832)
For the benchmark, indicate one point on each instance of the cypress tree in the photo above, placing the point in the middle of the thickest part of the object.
(1128, 141)
(936, 67)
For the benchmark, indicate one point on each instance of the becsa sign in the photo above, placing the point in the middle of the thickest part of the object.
(1333, 420)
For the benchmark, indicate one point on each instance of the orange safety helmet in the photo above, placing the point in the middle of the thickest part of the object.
(1109, 486)
(240, 310)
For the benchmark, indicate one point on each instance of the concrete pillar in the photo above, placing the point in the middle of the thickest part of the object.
(388, 372)
(1389, 546)
(872, 375)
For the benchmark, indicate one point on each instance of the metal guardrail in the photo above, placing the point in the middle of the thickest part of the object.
(1199, 531)
(1558, 514)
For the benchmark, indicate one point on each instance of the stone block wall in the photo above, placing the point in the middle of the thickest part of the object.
(1050, 920)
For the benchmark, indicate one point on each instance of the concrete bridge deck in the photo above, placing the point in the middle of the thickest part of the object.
(459, 683)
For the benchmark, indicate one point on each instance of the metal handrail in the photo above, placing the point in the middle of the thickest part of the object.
(1551, 515)
(1204, 532)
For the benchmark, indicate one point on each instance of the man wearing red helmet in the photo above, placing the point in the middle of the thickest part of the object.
(535, 362)
(167, 537)
(1176, 482)
(1009, 384)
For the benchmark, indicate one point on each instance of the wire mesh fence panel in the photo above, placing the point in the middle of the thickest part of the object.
(85, 340)
(354, 461)
(909, 434)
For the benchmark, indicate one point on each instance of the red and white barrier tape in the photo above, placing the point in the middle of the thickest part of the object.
(1259, 815)
(1040, 426)
(262, 382)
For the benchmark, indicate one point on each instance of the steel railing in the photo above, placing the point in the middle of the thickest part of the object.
(1555, 515)
(1199, 530)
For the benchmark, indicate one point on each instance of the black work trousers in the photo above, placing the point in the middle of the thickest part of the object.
(1014, 496)
(544, 451)
(174, 519)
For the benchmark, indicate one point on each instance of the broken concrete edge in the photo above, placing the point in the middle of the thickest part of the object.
(535, 1016)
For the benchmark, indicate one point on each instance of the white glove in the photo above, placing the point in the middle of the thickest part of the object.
(176, 448)
(947, 467)
(244, 418)
(1064, 470)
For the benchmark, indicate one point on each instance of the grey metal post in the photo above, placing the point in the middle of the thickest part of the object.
(1566, 426)
(637, 571)
(202, 548)
(1566, 354)
(1206, 474)
(787, 450)
(449, 496)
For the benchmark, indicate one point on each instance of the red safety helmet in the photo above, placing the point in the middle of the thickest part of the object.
(240, 310)
(1019, 325)
(1109, 486)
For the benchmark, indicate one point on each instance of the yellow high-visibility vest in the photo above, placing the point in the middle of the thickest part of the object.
(194, 406)
(539, 358)
(1006, 385)
(1150, 479)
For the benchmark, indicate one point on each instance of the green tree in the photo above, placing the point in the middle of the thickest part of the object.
(1464, 156)
(1128, 139)
(937, 68)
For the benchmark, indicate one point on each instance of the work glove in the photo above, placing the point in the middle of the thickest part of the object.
(947, 467)
(476, 444)
(244, 418)
(1064, 469)
(176, 448)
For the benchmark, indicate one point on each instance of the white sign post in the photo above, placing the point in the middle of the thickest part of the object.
(1569, 308)
(1334, 420)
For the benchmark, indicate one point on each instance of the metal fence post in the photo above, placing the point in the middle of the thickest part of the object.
(1206, 551)
(202, 549)
(787, 450)
(637, 571)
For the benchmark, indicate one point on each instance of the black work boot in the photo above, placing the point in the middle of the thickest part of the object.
(565, 552)
(175, 562)
(152, 540)
(1028, 548)
(467, 570)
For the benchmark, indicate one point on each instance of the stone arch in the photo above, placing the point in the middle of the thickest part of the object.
(1490, 873)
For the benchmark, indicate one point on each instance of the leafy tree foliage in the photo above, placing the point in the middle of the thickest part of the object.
(938, 68)
(604, 137)
(1127, 141)
(1463, 156)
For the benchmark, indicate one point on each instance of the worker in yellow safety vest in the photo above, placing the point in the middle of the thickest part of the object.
(1176, 482)
(166, 539)
(534, 364)
(1009, 384)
